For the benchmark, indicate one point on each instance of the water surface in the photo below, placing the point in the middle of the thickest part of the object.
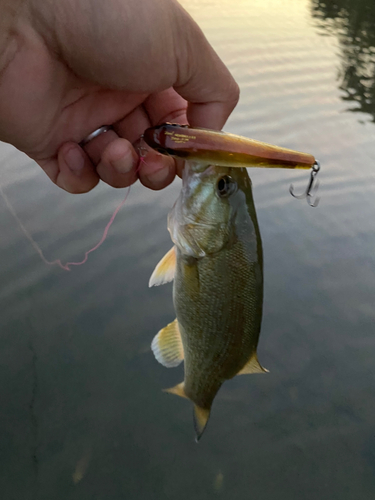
(82, 413)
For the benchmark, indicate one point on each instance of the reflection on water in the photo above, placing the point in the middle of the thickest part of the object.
(82, 415)
(353, 22)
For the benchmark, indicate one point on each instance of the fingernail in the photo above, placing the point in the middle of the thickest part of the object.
(159, 176)
(75, 160)
(123, 165)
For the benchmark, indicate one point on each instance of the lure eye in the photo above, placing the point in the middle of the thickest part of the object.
(226, 186)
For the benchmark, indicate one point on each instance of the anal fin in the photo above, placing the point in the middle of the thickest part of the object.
(167, 345)
(252, 366)
(178, 390)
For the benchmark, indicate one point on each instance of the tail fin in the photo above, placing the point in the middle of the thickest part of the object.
(201, 416)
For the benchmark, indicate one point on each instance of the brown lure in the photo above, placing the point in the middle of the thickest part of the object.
(220, 148)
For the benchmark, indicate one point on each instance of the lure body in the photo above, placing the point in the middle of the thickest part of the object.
(219, 148)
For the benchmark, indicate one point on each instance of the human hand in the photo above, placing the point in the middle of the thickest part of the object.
(70, 66)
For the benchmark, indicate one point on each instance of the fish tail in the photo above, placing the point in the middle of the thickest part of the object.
(201, 416)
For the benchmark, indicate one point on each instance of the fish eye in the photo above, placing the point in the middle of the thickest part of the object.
(225, 186)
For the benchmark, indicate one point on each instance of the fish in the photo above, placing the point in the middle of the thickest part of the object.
(217, 269)
(216, 263)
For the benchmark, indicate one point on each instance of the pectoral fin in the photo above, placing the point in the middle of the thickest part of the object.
(164, 271)
(252, 366)
(167, 346)
(201, 416)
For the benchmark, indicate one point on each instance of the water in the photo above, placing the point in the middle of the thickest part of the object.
(82, 413)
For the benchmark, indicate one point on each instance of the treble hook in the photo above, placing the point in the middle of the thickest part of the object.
(311, 189)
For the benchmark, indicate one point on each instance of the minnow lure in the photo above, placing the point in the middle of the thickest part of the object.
(209, 147)
(220, 148)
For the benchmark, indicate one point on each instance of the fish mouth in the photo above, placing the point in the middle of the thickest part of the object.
(193, 167)
(196, 232)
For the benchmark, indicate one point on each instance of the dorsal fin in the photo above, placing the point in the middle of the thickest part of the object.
(201, 416)
(252, 366)
(164, 271)
(167, 345)
(178, 389)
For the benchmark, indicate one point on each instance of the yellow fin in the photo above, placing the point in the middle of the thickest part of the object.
(178, 389)
(164, 271)
(201, 416)
(167, 345)
(252, 366)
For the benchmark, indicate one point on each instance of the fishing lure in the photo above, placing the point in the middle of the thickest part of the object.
(228, 150)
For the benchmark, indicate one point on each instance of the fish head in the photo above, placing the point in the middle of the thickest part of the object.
(203, 219)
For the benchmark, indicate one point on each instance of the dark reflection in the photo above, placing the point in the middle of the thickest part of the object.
(353, 21)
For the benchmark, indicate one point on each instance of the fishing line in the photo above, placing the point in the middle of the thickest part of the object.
(66, 267)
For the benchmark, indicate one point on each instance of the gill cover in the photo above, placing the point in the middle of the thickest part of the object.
(201, 221)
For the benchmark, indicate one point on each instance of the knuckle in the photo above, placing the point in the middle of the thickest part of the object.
(234, 93)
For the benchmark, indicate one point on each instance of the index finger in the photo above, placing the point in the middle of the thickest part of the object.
(203, 80)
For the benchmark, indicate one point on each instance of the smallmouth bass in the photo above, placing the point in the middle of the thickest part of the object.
(216, 262)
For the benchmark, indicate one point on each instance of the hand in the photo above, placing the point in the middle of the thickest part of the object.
(70, 66)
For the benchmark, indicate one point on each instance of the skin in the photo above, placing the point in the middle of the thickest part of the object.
(69, 66)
